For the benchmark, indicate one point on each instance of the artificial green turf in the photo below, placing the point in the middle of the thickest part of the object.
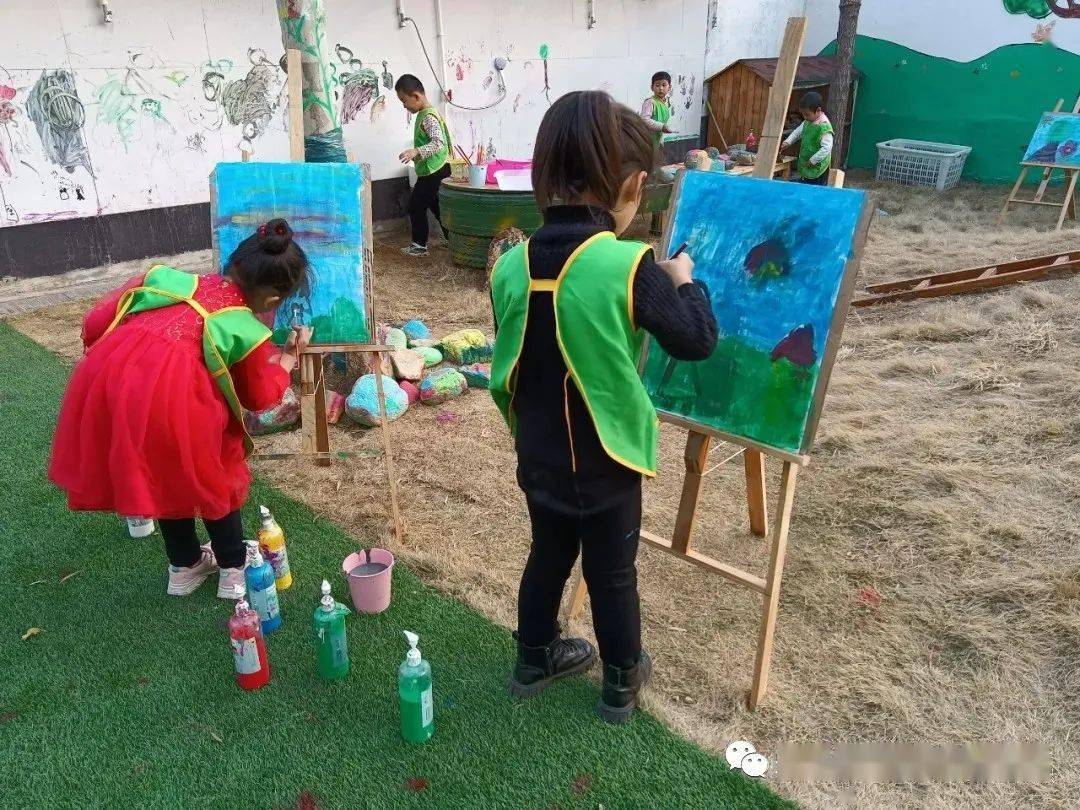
(127, 697)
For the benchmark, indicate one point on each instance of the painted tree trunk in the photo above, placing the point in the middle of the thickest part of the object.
(840, 90)
(303, 27)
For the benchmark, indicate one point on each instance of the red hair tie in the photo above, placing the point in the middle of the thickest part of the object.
(280, 230)
(262, 231)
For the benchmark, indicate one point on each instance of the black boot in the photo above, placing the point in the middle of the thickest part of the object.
(621, 687)
(539, 667)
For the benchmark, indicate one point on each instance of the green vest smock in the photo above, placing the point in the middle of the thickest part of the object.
(811, 143)
(229, 335)
(661, 113)
(597, 336)
(432, 164)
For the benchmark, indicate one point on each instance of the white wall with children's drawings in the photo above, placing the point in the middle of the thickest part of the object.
(103, 118)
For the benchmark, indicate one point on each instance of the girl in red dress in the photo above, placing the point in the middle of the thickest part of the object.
(147, 429)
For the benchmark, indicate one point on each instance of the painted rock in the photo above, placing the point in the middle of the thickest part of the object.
(282, 416)
(335, 406)
(424, 343)
(713, 152)
(441, 385)
(466, 346)
(411, 391)
(416, 330)
(477, 375)
(396, 338)
(431, 355)
(362, 404)
(698, 159)
(408, 364)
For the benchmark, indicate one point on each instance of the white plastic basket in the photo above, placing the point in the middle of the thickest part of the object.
(921, 163)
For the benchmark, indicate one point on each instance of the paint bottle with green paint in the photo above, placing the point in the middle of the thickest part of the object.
(414, 694)
(331, 647)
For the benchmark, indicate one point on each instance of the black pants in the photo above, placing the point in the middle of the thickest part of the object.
(823, 180)
(608, 541)
(425, 197)
(226, 539)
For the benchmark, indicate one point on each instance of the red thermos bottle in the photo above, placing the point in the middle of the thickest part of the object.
(249, 647)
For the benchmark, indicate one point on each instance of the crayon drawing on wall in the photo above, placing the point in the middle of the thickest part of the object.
(775, 257)
(1056, 141)
(323, 204)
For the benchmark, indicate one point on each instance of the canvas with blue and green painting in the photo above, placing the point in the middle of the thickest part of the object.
(323, 203)
(1056, 141)
(778, 260)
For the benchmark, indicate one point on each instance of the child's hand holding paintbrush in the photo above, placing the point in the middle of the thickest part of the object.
(680, 267)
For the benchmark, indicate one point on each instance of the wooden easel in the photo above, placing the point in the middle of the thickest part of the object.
(1068, 204)
(699, 438)
(314, 428)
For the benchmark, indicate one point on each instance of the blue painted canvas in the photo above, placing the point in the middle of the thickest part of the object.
(1056, 141)
(778, 260)
(323, 203)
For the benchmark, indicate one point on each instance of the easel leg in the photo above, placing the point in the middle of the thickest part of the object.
(754, 464)
(1070, 191)
(1041, 190)
(322, 428)
(388, 454)
(577, 597)
(772, 593)
(308, 442)
(696, 457)
(1012, 194)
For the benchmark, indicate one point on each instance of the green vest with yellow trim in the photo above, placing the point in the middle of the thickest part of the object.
(661, 113)
(431, 164)
(595, 330)
(812, 135)
(229, 334)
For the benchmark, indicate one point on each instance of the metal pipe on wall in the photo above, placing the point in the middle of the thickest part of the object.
(440, 53)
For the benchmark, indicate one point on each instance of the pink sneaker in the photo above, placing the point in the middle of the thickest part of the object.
(228, 580)
(184, 581)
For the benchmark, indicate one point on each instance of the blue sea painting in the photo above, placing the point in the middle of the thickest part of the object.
(1056, 141)
(774, 257)
(323, 204)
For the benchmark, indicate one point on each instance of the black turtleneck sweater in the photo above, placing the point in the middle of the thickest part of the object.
(547, 404)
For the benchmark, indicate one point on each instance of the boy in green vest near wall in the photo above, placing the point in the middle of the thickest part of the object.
(656, 112)
(816, 134)
(431, 157)
(572, 307)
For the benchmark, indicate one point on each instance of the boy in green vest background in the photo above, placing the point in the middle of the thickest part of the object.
(431, 156)
(572, 307)
(816, 134)
(656, 112)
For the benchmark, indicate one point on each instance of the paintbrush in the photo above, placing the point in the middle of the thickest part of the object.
(462, 153)
(678, 252)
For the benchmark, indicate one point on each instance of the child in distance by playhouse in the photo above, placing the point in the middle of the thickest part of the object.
(151, 423)
(572, 306)
(815, 134)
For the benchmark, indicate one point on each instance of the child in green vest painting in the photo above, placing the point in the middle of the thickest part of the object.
(430, 155)
(816, 134)
(572, 307)
(151, 423)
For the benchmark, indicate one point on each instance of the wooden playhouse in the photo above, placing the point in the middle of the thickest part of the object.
(739, 96)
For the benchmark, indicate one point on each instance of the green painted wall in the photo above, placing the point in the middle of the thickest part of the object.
(991, 104)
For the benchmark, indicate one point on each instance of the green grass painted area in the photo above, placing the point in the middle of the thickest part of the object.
(127, 697)
(344, 323)
(992, 103)
(738, 390)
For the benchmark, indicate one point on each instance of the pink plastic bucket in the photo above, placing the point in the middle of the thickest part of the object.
(369, 574)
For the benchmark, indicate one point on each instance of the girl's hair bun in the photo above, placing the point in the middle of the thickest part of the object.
(275, 236)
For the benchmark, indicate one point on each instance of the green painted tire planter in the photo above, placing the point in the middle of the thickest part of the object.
(474, 216)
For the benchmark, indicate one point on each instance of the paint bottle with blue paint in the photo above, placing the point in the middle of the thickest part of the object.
(261, 588)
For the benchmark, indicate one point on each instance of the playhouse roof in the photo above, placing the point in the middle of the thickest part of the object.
(812, 70)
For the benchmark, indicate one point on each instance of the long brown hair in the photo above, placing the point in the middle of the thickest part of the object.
(588, 142)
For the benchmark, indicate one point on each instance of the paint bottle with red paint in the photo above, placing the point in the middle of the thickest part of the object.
(751, 142)
(248, 646)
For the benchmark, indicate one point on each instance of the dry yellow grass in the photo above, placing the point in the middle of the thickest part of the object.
(945, 477)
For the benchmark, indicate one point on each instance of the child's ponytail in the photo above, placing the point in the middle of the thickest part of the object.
(589, 144)
(269, 258)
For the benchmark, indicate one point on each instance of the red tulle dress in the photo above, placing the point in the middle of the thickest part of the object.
(143, 428)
